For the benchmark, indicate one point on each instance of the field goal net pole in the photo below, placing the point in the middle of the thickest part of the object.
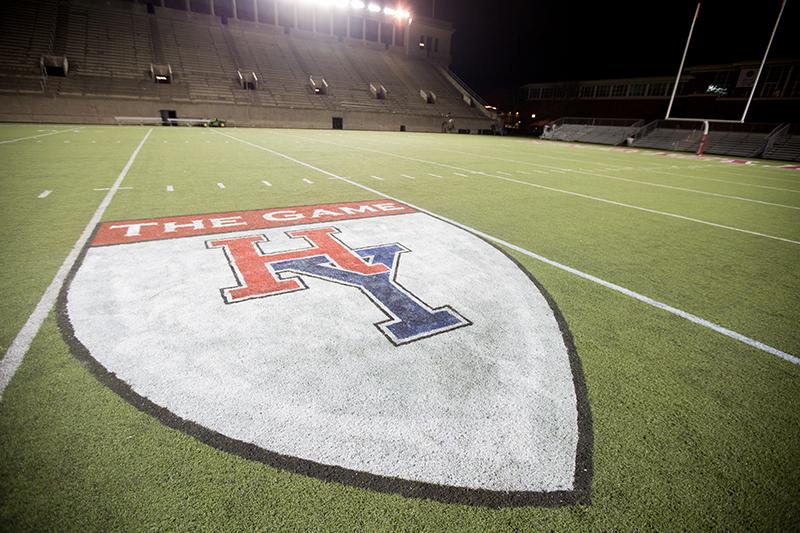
(706, 122)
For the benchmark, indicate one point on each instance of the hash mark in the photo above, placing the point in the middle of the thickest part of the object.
(308, 181)
(221, 185)
(44, 194)
(265, 182)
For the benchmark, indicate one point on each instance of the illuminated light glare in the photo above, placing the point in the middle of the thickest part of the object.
(342, 4)
(357, 4)
(390, 11)
(374, 8)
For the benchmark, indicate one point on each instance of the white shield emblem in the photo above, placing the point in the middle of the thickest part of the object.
(364, 343)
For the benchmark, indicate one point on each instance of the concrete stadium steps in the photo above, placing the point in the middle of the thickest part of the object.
(740, 144)
(597, 134)
(786, 149)
(111, 45)
(26, 32)
(671, 139)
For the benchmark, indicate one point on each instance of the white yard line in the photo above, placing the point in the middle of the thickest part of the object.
(504, 173)
(622, 290)
(44, 194)
(37, 136)
(22, 342)
(407, 176)
(577, 194)
(265, 182)
(460, 174)
(618, 178)
(721, 181)
(435, 175)
(109, 188)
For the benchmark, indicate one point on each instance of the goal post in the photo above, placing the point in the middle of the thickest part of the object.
(706, 121)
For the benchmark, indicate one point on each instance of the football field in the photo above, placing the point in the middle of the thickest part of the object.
(670, 287)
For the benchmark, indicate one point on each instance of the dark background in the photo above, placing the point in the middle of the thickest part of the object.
(503, 44)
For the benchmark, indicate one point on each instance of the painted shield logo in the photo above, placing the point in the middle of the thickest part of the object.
(364, 343)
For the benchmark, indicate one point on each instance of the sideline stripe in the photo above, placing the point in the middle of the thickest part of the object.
(44, 194)
(37, 136)
(571, 193)
(627, 292)
(22, 342)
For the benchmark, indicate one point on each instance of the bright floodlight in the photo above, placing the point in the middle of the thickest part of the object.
(341, 4)
(357, 4)
(389, 11)
(374, 8)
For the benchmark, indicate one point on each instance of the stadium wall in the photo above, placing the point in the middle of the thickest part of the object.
(88, 110)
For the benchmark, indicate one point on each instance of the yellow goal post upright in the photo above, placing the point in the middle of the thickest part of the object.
(706, 121)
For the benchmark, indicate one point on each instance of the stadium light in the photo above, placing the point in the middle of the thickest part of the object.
(359, 5)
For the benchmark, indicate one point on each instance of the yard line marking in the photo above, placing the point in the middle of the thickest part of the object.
(44, 194)
(434, 175)
(22, 342)
(407, 176)
(109, 188)
(524, 172)
(460, 174)
(721, 181)
(696, 191)
(265, 182)
(617, 178)
(170, 188)
(580, 195)
(377, 178)
(504, 173)
(589, 277)
(221, 185)
(645, 209)
(36, 136)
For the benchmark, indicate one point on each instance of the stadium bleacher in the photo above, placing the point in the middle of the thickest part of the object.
(598, 131)
(786, 144)
(110, 47)
(741, 140)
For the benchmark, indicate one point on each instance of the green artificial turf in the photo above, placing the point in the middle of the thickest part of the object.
(692, 430)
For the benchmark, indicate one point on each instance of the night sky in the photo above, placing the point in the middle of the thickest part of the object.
(506, 43)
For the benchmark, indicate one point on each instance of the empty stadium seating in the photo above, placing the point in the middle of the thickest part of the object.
(598, 131)
(786, 145)
(725, 139)
(111, 46)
